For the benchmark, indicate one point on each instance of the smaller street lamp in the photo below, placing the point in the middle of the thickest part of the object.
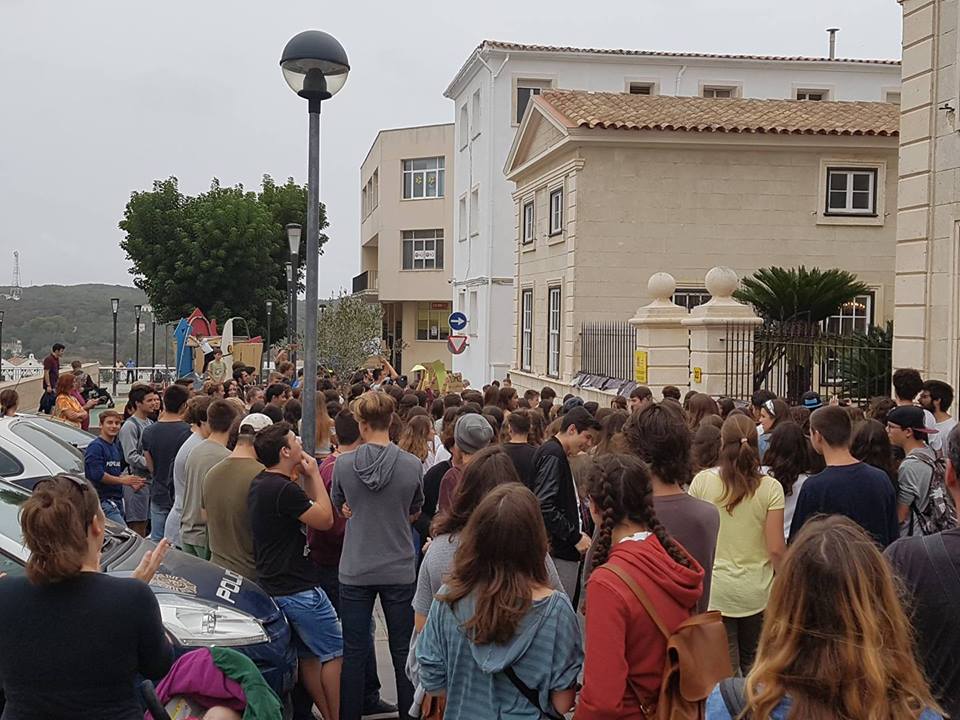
(269, 317)
(290, 328)
(1, 344)
(153, 340)
(293, 237)
(115, 306)
(137, 309)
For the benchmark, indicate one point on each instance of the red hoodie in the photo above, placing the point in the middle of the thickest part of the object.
(621, 639)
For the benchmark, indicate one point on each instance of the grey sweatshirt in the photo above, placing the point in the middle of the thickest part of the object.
(383, 486)
(130, 442)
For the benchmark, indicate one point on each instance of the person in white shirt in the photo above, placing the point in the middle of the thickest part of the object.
(907, 387)
(937, 397)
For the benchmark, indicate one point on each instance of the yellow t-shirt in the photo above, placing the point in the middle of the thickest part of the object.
(742, 573)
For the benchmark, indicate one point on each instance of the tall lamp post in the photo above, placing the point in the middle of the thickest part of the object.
(1, 345)
(153, 340)
(137, 309)
(315, 66)
(289, 305)
(293, 237)
(267, 353)
(115, 306)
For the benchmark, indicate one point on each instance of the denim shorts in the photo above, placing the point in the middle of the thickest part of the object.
(314, 622)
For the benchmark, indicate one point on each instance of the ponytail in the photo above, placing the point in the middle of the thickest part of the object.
(54, 521)
(739, 460)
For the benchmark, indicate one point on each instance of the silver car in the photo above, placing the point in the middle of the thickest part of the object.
(30, 451)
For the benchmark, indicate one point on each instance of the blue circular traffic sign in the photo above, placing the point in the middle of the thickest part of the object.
(457, 320)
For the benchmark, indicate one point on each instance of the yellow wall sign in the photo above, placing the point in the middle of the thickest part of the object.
(697, 375)
(640, 366)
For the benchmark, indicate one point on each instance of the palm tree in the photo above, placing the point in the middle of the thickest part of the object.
(798, 294)
(795, 302)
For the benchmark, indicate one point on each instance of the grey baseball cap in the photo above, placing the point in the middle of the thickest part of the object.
(472, 433)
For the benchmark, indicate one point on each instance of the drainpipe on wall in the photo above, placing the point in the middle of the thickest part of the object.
(680, 72)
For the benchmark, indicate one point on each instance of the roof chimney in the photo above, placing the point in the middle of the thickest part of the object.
(833, 42)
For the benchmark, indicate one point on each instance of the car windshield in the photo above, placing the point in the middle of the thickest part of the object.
(65, 456)
(62, 431)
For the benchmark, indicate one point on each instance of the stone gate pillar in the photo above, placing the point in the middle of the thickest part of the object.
(662, 340)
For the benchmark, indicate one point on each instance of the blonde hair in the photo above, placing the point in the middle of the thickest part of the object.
(375, 409)
(739, 460)
(835, 638)
(415, 438)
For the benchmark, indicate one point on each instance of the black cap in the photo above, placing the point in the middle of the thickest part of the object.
(909, 417)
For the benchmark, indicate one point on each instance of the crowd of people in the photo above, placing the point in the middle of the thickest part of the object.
(534, 555)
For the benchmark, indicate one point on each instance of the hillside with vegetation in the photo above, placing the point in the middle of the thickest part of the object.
(80, 317)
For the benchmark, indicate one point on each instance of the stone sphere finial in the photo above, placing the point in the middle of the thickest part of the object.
(661, 286)
(721, 282)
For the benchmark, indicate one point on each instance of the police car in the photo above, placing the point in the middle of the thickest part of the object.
(202, 604)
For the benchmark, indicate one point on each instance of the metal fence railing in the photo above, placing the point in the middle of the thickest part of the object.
(607, 349)
(791, 358)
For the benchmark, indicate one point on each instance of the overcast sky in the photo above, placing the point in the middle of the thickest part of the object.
(101, 97)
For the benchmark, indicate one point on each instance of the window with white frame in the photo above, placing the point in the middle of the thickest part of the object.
(553, 331)
(853, 316)
(423, 249)
(556, 211)
(433, 320)
(475, 211)
(375, 189)
(475, 120)
(474, 305)
(423, 178)
(462, 216)
(851, 191)
(640, 88)
(892, 96)
(690, 298)
(526, 91)
(805, 94)
(529, 223)
(464, 129)
(719, 91)
(526, 330)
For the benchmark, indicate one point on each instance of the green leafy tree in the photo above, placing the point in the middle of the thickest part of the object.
(865, 368)
(348, 333)
(223, 251)
(798, 294)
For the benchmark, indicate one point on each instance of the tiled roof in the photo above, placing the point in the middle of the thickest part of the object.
(522, 47)
(695, 114)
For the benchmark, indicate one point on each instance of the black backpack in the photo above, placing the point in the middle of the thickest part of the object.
(940, 513)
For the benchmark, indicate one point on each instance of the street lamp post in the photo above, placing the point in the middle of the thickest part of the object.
(269, 317)
(166, 347)
(293, 237)
(137, 309)
(115, 306)
(1, 345)
(289, 306)
(153, 341)
(315, 67)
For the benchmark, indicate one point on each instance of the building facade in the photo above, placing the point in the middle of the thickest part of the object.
(406, 228)
(491, 93)
(927, 314)
(612, 188)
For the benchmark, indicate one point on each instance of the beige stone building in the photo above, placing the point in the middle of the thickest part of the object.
(927, 314)
(405, 235)
(611, 188)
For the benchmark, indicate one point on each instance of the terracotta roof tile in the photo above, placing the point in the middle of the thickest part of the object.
(522, 47)
(695, 114)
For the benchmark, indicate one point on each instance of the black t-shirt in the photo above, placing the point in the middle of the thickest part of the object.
(522, 456)
(75, 648)
(933, 601)
(860, 491)
(162, 440)
(275, 504)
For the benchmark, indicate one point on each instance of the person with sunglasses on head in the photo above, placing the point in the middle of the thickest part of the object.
(71, 618)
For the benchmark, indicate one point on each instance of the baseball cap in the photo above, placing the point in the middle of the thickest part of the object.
(258, 421)
(472, 433)
(571, 402)
(910, 417)
(811, 400)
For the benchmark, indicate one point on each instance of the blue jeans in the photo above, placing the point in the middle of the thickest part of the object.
(314, 623)
(330, 582)
(113, 510)
(158, 521)
(356, 614)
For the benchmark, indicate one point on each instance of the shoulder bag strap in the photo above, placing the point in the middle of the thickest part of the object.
(530, 694)
(640, 594)
(733, 693)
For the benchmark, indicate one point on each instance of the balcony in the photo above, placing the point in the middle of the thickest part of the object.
(365, 285)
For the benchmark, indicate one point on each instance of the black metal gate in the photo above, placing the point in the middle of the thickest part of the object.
(607, 349)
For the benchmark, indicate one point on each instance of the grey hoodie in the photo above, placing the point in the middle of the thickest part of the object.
(383, 485)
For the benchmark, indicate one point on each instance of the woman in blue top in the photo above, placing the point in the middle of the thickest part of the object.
(836, 643)
(497, 613)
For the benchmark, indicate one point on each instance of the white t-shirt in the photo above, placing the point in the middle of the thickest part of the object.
(789, 501)
(936, 439)
(945, 428)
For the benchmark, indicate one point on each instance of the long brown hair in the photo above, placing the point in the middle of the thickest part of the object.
(620, 488)
(489, 468)
(324, 423)
(500, 561)
(788, 455)
(835, 638)
(739, 460)
(700, 406)
(415, 438)
(54, 521)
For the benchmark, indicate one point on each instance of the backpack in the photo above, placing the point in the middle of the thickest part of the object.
(697, 659)
(940, 513)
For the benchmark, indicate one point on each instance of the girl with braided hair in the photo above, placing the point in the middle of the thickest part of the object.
(625, 650)
(750, 543)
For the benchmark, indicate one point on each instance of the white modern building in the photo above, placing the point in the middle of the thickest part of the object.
(491, 93)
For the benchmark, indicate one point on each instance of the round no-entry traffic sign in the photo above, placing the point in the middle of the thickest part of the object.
(457, 320)
(457, 343)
